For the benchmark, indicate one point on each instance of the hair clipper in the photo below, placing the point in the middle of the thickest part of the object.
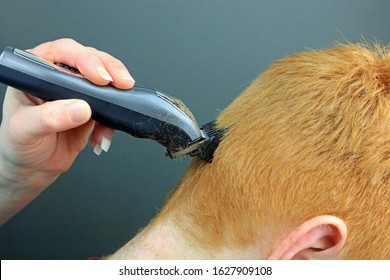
(141, 112)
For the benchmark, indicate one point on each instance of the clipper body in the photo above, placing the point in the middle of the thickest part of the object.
(141, 112)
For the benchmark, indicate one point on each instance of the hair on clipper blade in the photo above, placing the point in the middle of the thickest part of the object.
(214, 136)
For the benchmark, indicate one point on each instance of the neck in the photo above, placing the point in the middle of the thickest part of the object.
(163, 240)
(158, 241)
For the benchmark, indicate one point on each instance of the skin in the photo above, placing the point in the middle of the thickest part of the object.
(40, 140)
(320, 237)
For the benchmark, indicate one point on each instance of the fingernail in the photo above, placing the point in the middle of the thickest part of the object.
(105, 145)
(78, 112)
(104, 74)
(126, 76)
(97, 150)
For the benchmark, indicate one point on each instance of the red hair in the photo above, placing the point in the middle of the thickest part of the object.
(310, 136)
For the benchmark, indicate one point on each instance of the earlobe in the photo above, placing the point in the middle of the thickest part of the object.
(320, 237)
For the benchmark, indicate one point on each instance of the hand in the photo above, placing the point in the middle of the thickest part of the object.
(40, 140)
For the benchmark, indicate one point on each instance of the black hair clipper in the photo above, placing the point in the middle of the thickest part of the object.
(141, 112)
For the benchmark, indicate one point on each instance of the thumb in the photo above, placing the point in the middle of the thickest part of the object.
(50, 117)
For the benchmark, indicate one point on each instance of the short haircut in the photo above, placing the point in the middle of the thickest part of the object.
(310, 136)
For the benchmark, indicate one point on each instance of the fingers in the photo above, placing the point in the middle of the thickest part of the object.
(70, 52)
(98, 67)
(34, 122)
(117, 70)
(101, 138)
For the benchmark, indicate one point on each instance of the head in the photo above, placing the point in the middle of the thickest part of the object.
(304, 168)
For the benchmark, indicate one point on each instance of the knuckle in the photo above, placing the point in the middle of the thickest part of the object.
(60, 167)
(65, 41)
(65, 167)
(92, 49)
(47, 119)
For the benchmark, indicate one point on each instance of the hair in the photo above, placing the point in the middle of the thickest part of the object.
(310, 136)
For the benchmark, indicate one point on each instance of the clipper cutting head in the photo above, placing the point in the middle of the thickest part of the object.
(207, 148)
(203, 148)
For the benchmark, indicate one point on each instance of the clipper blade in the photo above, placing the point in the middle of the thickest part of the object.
(203, 148)
(207, 148)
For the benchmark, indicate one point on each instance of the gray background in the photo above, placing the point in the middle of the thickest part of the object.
(204, 52)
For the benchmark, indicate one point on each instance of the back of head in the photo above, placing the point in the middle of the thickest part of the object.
(311, 136)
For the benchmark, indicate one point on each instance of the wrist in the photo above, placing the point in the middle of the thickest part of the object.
(22, 177)
(13, 173)
(18, 187)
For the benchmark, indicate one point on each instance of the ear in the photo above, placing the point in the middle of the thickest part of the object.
(320, 237)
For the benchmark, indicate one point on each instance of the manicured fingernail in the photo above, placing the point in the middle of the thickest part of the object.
(126, 76)
(104, 74)
(97, 150)
(105, 145)
(78, 112)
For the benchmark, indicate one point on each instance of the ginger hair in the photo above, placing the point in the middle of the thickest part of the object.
(310, 136)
